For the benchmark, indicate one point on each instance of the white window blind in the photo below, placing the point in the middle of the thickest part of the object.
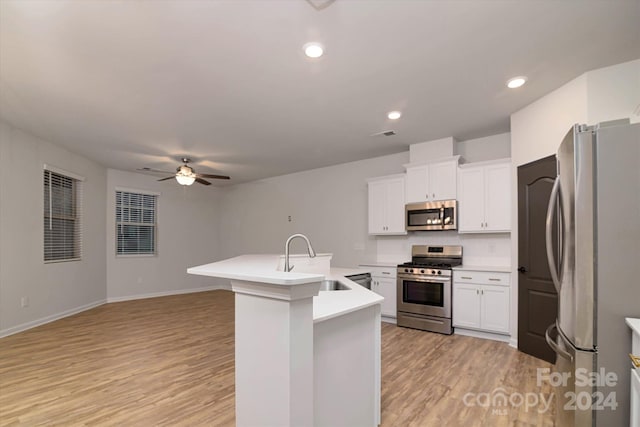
(62, 217)
(135, 223)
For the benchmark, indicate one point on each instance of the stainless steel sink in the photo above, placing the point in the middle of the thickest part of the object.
(333, 285)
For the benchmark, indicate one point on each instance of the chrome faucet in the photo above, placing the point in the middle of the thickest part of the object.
(312, 253)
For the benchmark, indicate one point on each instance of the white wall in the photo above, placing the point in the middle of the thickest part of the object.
(487, 148)
(537, 130)
(430, 150)
(329, 205)
(54, 289)
(614, 93)
(493, 249)
(188, 220)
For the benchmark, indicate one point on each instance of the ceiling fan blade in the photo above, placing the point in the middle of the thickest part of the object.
(202, 181)
(152, 170)
(208, 175)
(169, 177)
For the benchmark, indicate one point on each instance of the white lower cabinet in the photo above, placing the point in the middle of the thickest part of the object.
(481, 301)
(383, 282)
(386, 288)
(634, 414)
(635, 397)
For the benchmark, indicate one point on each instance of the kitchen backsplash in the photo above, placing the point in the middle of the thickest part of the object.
(478, 249)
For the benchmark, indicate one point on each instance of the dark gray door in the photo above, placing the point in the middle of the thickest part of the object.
(537, 297)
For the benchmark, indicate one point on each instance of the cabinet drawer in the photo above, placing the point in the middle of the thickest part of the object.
(378, 271)
(482, 277)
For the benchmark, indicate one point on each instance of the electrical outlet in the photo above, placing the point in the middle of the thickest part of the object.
(24, 302)
(289, 218)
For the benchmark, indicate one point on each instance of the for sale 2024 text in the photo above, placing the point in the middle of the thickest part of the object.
(582, 377)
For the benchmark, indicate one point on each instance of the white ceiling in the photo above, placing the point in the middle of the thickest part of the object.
(140, 83)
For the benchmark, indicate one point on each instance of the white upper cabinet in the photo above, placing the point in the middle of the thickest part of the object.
(432, 181)
(484, 197)
(417, 183)
(386, 205)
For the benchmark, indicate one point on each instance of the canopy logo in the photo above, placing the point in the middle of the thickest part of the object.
(500, 401)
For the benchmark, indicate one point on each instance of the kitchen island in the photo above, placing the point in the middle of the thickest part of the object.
(303, 356)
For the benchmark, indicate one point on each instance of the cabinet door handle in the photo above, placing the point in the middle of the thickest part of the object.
(434, 195)
(466, 277)
(481, 291)
(494, 280)
(477, 292)
(385, 272)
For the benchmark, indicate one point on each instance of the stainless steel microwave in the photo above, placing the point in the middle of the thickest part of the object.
(440, 215)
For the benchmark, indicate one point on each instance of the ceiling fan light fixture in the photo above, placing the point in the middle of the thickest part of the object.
(185, 175)
(185, 179)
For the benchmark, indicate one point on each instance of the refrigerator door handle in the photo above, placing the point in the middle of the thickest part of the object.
(553, 201)
(554, 346)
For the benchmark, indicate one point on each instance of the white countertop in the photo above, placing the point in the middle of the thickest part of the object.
(348, 271)
(330, 304)
(496, 268)
(381, 263)
(634, 324)
(262, 268)
(254, 268)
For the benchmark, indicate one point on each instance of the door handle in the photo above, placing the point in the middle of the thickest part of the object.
(554, 345)
(553, 201)
(522, 270)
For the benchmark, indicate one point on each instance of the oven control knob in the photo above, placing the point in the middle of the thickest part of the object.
(421, 271)
(439, 272)
(406, 270)
(433, 272)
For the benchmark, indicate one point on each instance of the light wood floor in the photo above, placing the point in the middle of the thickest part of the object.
(170, 361)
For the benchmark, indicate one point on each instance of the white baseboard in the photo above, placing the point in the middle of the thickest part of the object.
(513, 342)
(482, 334)
(48, 319)
(166, 293)
(389, 320)
(71, 312)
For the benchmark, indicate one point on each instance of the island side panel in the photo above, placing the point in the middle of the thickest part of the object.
(347, 369)
(274, 360)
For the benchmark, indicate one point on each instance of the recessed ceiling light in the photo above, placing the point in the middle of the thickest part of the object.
(394, 115)
(516, 82)
(313, 50)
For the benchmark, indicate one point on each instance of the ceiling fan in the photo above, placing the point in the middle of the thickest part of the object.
(185, 175)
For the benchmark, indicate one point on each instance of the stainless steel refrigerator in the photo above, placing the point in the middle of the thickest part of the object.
(596, 270)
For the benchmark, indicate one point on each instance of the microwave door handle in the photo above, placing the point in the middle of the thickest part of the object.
(553, 201)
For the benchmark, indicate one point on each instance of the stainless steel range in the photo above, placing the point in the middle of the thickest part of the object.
(424, 288)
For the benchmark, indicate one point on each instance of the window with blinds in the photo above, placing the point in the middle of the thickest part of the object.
(62, 215)
(135, 223)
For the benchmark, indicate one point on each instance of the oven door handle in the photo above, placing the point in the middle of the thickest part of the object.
(416, 279)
